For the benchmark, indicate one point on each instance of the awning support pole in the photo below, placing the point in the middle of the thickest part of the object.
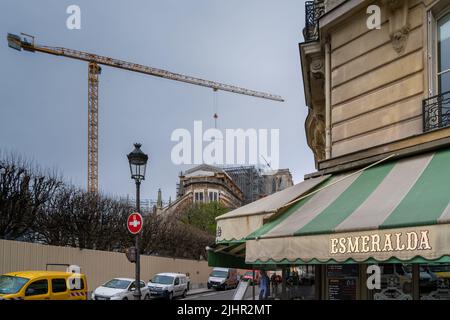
(283, 283)
(253, 284)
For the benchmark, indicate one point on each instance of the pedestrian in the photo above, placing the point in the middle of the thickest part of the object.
(274, 283)
(264, 290)
(188, 280)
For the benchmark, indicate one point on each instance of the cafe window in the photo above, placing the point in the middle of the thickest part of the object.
(434, 282)
(396, 282)
(342, 281)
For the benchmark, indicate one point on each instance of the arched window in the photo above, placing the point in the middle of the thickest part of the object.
(443, 37)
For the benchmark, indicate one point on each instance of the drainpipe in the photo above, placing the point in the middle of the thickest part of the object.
(327, 100)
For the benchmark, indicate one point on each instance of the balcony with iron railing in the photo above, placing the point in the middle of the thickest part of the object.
(313, 11)
(436, 112)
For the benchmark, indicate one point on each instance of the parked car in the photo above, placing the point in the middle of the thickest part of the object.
(248, 276)
(119, 289)
(168, 285)
(43, 285)
(223, 278)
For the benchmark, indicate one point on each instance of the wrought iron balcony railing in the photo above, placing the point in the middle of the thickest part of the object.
(313, 11)
(436, 112)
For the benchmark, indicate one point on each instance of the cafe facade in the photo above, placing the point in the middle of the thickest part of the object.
(373, 221)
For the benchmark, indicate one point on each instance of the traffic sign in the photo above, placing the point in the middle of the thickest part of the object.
(134, 223)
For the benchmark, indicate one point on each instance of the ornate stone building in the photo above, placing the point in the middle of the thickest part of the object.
(277, 180)
(203, 184)
(376, 75)
(365, 88)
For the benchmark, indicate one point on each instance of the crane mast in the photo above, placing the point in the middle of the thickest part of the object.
(93, 72)
(27, 43)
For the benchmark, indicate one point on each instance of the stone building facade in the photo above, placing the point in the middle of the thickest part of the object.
(378, 98)
(367, 89)
(203, 184)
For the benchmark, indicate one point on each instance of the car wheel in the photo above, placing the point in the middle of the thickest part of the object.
(125, 298)
(184, 293)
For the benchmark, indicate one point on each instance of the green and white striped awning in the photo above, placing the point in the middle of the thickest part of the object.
(234, 226)
(394, 210)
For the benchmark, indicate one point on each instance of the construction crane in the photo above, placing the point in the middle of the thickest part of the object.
(27, 42)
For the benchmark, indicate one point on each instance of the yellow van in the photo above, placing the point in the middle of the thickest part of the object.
(43, 285)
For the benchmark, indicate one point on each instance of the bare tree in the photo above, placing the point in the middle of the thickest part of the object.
(40, 207)
(23, 191)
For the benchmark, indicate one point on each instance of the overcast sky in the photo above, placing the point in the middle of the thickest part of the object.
(249, 43)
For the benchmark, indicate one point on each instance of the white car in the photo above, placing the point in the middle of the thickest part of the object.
(119, 289)
(168, 285)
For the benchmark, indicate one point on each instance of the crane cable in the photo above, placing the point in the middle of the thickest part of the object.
(215, 107)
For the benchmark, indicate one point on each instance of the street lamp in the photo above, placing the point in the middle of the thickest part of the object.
(138, 162)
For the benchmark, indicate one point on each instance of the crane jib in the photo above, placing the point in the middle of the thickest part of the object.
(27, 43)
(17, 43)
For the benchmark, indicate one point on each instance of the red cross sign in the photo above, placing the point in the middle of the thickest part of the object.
(134, 223)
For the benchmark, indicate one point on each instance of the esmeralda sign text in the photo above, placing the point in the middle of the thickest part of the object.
(407, 241)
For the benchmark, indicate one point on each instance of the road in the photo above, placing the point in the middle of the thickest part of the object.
(222, 295)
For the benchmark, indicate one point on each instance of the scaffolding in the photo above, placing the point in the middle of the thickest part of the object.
(249, 179)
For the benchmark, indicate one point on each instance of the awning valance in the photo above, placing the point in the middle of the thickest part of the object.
(398, 209)
(235, 225)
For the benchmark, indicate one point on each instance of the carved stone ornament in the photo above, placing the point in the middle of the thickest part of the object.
(317, 68)
(399, 28)
(315, 132)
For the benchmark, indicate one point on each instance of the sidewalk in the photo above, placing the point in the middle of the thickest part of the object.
(198, 291)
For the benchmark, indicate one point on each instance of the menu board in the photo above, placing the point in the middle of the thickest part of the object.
(342, 270)
(342, 289)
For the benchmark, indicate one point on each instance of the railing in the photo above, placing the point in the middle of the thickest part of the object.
(436, 112)
(313, 11)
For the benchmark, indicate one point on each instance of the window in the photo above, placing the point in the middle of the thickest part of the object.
(213, 195)
(342, 281)
(59, 285)
(133, 285)
(434, 283)
(117, 284)
(73, 284)
(436, 109)
(161, 279)
(198, 196)
(396, 282)
(37, 288)
(11, 285)
(443, 42)
(177, 281)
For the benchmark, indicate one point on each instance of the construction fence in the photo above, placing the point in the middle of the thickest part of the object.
(98, 266)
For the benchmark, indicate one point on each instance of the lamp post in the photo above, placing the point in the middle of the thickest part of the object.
(138, 163)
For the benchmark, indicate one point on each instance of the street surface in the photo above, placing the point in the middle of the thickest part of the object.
(222, 295)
